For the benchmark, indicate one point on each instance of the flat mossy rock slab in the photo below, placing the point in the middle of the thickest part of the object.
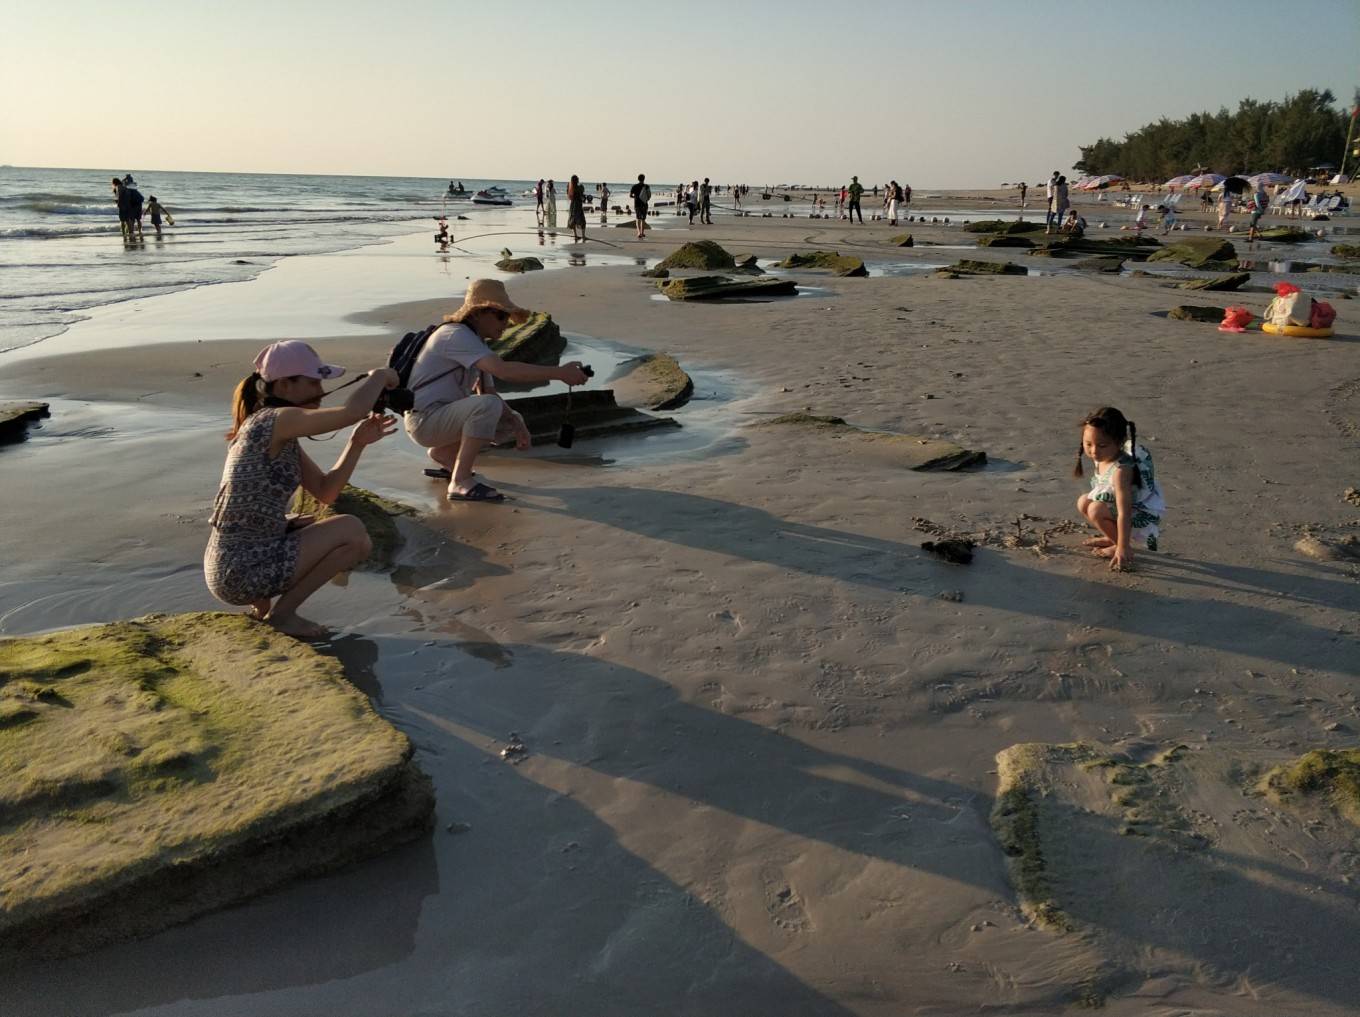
(970, 267)
(717, 287)
(157, 769)
(1211, 253)
(1285, 235)
(536, 341)
(1059, 246)
(1222, 282)
(1004, 240)
(902, 240)
(1002, 226)
(1346, 250)
(655, 381)
(378, 514)
(837, 263)
(1111, 265)
(908, 450)
(519, 265)
(1147, 845)
(655, 273)
(1196, 312)
(595, 413)
(15, 418)
(700, 254)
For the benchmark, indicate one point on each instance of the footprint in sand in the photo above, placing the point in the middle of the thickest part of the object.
(782, 900)
(729, 618)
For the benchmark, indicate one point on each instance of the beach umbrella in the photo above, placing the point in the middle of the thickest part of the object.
(1236, 185)
(1176, 183)
(1100, 182)
(1270, 179)
(1205, 180)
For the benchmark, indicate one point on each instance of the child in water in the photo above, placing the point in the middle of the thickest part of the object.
(155, 209)
(1124, 504)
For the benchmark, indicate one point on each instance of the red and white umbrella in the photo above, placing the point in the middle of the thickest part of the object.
(1205, 180)
(1099, 182)
(1176, 183)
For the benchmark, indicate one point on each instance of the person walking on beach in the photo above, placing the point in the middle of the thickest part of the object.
(457, 411)
(576, 210)
(256, 552)
(1124, 503)
(155, 209)
(550, 205)
(692, 200)
(1259, 204)
(855, 191)
(891, 195)
(1051, 197)
(1224, 208)
(538, 201)
(1024, 190)
(642, 196)
(1060, 204)
(706, 202)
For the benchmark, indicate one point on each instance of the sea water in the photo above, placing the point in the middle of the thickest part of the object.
(62, 254)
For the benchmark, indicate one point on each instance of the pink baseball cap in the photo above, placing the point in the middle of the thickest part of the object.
(293, 357)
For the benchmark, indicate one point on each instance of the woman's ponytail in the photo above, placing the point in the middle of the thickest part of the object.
(1076, 470)
(245, 401)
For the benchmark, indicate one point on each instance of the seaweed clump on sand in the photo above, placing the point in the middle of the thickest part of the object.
(839, 264)
(378, 514)
(1346, 250)
(1196, 312)
(156, 769)
(699, 254)
(1332, 775)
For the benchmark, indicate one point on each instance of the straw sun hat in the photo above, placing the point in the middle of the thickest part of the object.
(484, 293)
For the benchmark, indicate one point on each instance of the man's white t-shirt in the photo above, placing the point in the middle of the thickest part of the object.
(450, 346)
(1052, 187)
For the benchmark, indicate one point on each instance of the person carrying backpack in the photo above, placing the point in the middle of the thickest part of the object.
(642, 197)
(456, 410)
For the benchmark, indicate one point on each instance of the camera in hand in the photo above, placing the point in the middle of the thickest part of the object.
(587, 370)
(398, 400)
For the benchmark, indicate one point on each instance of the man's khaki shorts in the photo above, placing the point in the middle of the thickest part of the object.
(477, 416)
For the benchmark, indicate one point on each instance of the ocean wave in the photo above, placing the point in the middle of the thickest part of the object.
(25, 197)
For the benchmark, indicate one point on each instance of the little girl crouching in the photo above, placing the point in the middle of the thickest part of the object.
(1124, 503)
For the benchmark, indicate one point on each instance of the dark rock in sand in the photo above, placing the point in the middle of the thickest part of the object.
(1211, 253)
(655, 381)
(1004, 240)
(902, 240)
(1063, 246)
(157, 769)
(593, 412)
(1223, 282)
(378, 514)
(1111, 265)
(701, 254)
(1285, 235)
(748, 266)
(15, 418)
(1002, 226)
(1346, 250)
(537, 341)
(718, 287)
(519, 265)
(969, 267)
(1196, 312)
(655, 273)
(956, 552)
(841, 265)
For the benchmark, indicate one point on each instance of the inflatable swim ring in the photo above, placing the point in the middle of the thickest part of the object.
(1296, 330)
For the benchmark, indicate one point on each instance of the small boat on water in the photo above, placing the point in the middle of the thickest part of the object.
(488, 198)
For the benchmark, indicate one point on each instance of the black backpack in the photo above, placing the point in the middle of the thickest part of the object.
(403, 356)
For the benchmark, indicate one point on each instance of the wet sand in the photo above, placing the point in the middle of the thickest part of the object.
(761, 742)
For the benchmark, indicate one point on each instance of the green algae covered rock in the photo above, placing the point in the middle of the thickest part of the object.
(700, 254)
(654, 381)
(655, 273)
(1346, 250)
(1196, 312)
(841, 265)
(155, 769)
(911, 451)
(902, 240)
(519, 265)
(1103, 263)
(378, 514)
(1285, 235)
(1329, 776)
(536, 341)
(1004, 240)
(970, 267)
(718, 287)
(1222, 282)
(1002, 226)
(1210, 253)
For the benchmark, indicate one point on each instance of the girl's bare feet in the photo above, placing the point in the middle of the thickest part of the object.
(1097, 542)
(259, 609)
(298, 627)
(1106, 551)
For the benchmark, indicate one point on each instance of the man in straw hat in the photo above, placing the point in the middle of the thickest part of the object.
(457, 412)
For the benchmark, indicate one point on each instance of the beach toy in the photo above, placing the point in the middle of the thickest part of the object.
(1297, 331)
(1283, 289)
(1235, 319)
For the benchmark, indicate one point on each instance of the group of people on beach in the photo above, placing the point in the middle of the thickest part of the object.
(132, 207)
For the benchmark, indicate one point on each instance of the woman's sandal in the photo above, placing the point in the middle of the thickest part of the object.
(478, 492)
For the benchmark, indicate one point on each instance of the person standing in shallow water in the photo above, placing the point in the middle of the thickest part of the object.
(576, 209)
(550, 205)
(256, 551)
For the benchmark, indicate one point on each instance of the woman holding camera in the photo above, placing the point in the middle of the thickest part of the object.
(258, 552)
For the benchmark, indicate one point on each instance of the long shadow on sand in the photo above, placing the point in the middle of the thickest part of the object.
(995, 580)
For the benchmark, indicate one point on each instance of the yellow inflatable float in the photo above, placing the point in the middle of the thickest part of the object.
(1298, 331)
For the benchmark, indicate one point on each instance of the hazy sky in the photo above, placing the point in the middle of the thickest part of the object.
(937, 93)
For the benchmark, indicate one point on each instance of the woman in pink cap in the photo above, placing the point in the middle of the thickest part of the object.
(257, 552)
